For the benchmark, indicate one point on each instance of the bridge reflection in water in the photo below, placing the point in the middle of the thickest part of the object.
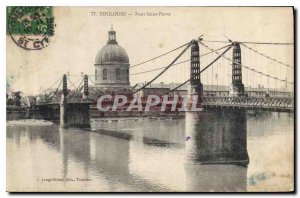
(157, 156)
(217, 137)
(216, 150)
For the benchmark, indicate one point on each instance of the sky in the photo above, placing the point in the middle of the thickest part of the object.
(79, 36)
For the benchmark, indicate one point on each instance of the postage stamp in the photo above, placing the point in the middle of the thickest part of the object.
(30, 27)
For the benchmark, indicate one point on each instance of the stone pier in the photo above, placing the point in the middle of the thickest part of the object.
(217, 137)
(75, 113)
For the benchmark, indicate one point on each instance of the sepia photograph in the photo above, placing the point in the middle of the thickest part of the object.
(150, 99)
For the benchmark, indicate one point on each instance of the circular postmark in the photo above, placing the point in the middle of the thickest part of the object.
(31, 28)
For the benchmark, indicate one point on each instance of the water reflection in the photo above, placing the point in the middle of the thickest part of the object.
(216, 151)
(216, 178)
(147, 155)
(105, 156)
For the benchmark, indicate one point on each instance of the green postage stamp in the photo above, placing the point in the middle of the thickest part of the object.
(30, 27)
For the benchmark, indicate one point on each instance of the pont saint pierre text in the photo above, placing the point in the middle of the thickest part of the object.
(138, 14)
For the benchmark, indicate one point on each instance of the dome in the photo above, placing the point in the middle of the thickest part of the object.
(111, 53)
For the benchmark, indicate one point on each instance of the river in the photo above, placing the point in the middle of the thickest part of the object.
(143, 154)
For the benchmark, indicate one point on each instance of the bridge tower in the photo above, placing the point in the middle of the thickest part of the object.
(85, 87)
(64, 102)
(196, 88)
(74, 113)
(237, 86)
(196, 84)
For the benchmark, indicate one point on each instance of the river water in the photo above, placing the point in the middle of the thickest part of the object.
(143, 155)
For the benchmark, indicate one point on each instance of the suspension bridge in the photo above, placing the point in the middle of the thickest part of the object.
(255, 80)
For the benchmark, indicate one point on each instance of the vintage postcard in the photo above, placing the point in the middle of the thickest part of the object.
(150, 99)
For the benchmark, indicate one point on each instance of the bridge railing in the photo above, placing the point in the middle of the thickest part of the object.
(267, 102)
(71, 100)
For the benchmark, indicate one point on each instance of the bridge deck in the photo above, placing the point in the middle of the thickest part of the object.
(69, 102)
(250, 103)
(247, 103)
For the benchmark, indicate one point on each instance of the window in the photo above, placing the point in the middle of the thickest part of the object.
(95, 74)
(118, 74)
(104, 74)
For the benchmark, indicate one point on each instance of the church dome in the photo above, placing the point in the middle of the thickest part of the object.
(111, 53)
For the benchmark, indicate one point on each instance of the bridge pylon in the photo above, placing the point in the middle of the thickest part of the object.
(236, 88)
(74, 113)
(196, 84)
(85, 86)
(196, 87)
(64, 102)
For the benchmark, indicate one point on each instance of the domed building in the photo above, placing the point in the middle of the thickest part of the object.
(112, 65)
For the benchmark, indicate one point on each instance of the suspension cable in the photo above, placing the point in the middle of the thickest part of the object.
(52, 85)
(212, 77)
(273, 59)
(242, 65)
(79, 85)
(91, 80)
(164, 69)
(179, 62)
(78, 81)
(76, 88)
(159, 55)
(56, 89)
(260, 43)
(71, 82)
(201, 70)
(159, 68)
